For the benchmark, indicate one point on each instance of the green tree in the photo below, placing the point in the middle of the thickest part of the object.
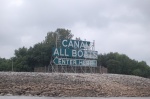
(102, 60)
(114, 66)
(5, 64)
(20, 60)
(40, 54)
(122, 64)
(137, 72)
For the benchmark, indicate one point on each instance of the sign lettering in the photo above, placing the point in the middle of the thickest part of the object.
(75, 44)
(75, 62)
(75, 53)
(63, 52)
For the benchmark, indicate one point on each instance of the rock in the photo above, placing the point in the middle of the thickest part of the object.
(71, 84)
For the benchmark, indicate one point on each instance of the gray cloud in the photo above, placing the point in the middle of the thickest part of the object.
(116, 25)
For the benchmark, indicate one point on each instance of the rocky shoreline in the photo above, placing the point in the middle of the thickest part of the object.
(73, 85)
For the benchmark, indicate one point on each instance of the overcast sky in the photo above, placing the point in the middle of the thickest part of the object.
(121, 26)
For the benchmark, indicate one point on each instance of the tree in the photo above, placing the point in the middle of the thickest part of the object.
(20, 60)
(122, 64)
(114, 66)
(64, 34)
(59, 34)
(40, 54)
(137, 72)
(102, 60)
(21, 52)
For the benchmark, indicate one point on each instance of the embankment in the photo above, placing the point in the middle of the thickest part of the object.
(71, 84)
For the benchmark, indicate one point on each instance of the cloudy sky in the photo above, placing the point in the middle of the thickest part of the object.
(116, 25)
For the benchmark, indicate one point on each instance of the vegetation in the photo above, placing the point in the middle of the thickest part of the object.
(37, 56)
(122, 64)
(26, 59)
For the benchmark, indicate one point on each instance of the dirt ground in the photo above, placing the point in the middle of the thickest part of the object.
(74, 85)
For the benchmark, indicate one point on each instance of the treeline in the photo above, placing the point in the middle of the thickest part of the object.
(122, 64)
(26, 59)
(37, 56)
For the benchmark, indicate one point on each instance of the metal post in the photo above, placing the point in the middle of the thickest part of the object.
(56, 41)
(12, 67)
(94, 45)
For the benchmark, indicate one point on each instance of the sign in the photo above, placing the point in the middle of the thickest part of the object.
(75, 62)
(75, 53)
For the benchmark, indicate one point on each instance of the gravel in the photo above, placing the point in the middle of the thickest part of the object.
(73, 84)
